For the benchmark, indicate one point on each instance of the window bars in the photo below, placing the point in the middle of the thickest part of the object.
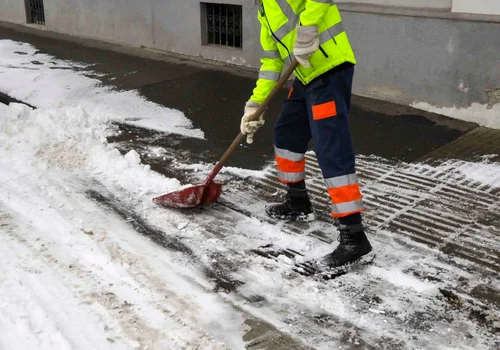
(35, 12)
(224, 25)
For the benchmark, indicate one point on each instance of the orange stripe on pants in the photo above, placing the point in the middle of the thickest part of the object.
(345, 194)
(289, 166)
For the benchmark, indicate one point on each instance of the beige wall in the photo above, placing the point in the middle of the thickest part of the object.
(488, 7)
(12, 11)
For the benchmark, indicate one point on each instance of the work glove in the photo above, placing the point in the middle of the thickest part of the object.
(306, 43)
(250, 127)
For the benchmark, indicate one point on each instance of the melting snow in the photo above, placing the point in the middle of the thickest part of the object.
(44, 81)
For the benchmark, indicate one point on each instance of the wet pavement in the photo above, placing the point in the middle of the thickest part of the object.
(118, 69)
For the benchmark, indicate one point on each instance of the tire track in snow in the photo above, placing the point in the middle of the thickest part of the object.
(261, 334)
(222, 282)
(33, 275)
(119, 294)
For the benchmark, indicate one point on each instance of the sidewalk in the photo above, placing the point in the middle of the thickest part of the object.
(427, 209)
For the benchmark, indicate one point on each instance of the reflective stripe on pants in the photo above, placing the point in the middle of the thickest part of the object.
(345, 194)
(291, 165)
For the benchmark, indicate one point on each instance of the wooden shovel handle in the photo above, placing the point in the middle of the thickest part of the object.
(284, 77)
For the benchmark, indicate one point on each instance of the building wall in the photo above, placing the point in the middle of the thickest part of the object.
(490, 7)
(166, 25)
(119, 21)
(407, 59)
(12, 11)
(424, 52)
(430, 4)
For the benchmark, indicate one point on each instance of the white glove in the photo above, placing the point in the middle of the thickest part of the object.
(306, 44)
(250, 127)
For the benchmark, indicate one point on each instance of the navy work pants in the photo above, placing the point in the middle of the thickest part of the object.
(320, 111)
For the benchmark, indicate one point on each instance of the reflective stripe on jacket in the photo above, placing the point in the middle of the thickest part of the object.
(279, 19)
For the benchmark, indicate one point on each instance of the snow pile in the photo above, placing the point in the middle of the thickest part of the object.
(3, 109)
(69, 138)
(44, 81)
(476, 113)
(67, 262)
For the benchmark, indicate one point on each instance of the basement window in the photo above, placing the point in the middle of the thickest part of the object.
(221, 25)
(35, 12)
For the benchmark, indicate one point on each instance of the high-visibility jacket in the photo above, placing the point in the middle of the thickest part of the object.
(279, 19)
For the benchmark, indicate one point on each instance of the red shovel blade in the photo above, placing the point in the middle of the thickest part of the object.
(191, 196)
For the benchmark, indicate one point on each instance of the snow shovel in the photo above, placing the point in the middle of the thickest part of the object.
(209, 191)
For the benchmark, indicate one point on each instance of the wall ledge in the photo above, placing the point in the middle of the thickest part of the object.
(417, 12)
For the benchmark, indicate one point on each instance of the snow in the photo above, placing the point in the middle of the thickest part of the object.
(204, 168)
(44, 81)
(69, 138)
(396, 277)
(484, 172)
(476, 113)
(3, 109)
(29, 317)
(67, 262)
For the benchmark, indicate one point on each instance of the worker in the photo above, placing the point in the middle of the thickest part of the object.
(317, 107)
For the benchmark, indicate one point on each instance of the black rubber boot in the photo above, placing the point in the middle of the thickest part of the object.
(354, 245)
(296, 206)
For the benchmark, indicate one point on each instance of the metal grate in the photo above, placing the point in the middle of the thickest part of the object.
(223, 25)
(35, 11)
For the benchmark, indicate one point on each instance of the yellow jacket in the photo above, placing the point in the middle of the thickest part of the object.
(279, 19)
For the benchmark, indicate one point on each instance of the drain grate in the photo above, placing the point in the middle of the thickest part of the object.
(441, 209)
(35, 12)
